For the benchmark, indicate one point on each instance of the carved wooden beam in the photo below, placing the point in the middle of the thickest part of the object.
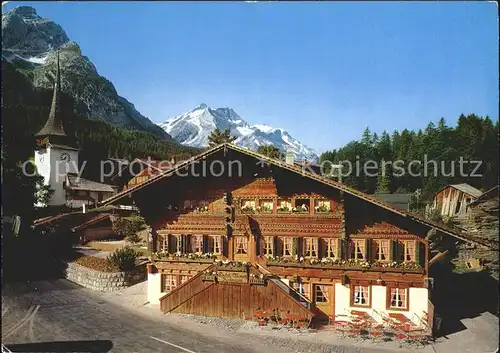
(438, 257)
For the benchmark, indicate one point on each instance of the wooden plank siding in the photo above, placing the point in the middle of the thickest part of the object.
(239, 301)
(182, 293)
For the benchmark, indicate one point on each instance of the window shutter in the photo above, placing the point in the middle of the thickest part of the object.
(368, 249)
(295, 246)
(395, 250)
(183, 239)
(223, 245)
(316, 241)
(205, 245)
(418, 252)
(275, 246)
(170, 243)
(339, 249)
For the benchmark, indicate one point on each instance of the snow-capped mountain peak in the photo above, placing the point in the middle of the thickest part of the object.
(193, 128)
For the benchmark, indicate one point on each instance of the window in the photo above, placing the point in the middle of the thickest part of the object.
(405, 250)
(398, 298)
(302, 205)
(284, 205)
(286, 246)
(381, 249)
(268, 246)
(197, 243)
(164, 243)
(176, 243)
(357, 249)
(248, 205)
(360, 295)
(302, 288)
(321, 293)
(266, 206)
(184, 278)
(330, 247)
(214, 245)
(241, 245)
(322, 205)
(311, 247)
(169, 283)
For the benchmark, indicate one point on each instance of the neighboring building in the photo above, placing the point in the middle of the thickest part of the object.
(289, 240)
(401, 201)
(57, 161)
(452, 200)
(482, 220)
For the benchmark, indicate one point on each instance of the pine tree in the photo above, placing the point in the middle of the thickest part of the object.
(271, 152)
(218, 138)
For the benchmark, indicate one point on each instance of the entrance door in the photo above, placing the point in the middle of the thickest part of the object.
(323, 298)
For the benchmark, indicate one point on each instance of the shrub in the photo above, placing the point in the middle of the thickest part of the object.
(128, 228)
(124, 258)
(97, 263)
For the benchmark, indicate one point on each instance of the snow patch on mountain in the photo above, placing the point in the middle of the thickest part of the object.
(193, 128)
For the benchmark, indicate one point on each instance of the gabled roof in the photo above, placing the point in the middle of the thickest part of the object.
(465, 188)
(305, 173)
(74, 182)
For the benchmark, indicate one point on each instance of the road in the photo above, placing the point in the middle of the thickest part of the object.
(64, 317)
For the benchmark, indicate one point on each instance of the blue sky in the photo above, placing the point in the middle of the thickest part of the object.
(322, 70)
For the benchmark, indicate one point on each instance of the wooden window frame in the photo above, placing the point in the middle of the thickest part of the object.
(314, 286)
(308, 247)
(164, 282)
(165, 242)
(377, 253)
(402, 250)
(268, 245)
(181, 282)
(212, 241)
(331, 249)
(236, 249)
(261, 205)
(354, 243)
(284, 242)
(389, 299)
(352, 292)
(197, 241)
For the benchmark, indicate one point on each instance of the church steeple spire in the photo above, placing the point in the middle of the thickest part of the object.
(54, 125)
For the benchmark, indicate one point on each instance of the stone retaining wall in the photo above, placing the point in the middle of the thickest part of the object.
(104, 281)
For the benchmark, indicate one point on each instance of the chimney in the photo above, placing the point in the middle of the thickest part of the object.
(289, 158)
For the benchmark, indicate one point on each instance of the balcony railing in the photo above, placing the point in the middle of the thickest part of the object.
(410, 267)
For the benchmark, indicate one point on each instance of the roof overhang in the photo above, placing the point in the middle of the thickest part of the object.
(305, 173)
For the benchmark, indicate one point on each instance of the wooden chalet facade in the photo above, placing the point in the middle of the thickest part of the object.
(264, 235)
(453, 200)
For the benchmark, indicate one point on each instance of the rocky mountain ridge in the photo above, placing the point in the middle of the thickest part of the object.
(193, 128)
(30, 42)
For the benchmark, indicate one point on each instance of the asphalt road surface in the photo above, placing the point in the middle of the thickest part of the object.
(59, 316)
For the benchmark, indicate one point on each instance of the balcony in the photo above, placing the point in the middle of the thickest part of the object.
(333, 264)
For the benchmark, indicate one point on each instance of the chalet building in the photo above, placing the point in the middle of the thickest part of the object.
(452, 200)
(56, 160)
(255, 234)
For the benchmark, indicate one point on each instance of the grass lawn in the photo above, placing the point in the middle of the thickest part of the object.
(105, 246)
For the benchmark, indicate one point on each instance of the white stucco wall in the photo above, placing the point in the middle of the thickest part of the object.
(418, 298)
(54, 170)
(154, 288)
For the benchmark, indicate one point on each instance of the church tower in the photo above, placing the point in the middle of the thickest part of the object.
(57, 155)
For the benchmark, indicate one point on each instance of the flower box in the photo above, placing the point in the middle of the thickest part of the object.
(348, 264)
